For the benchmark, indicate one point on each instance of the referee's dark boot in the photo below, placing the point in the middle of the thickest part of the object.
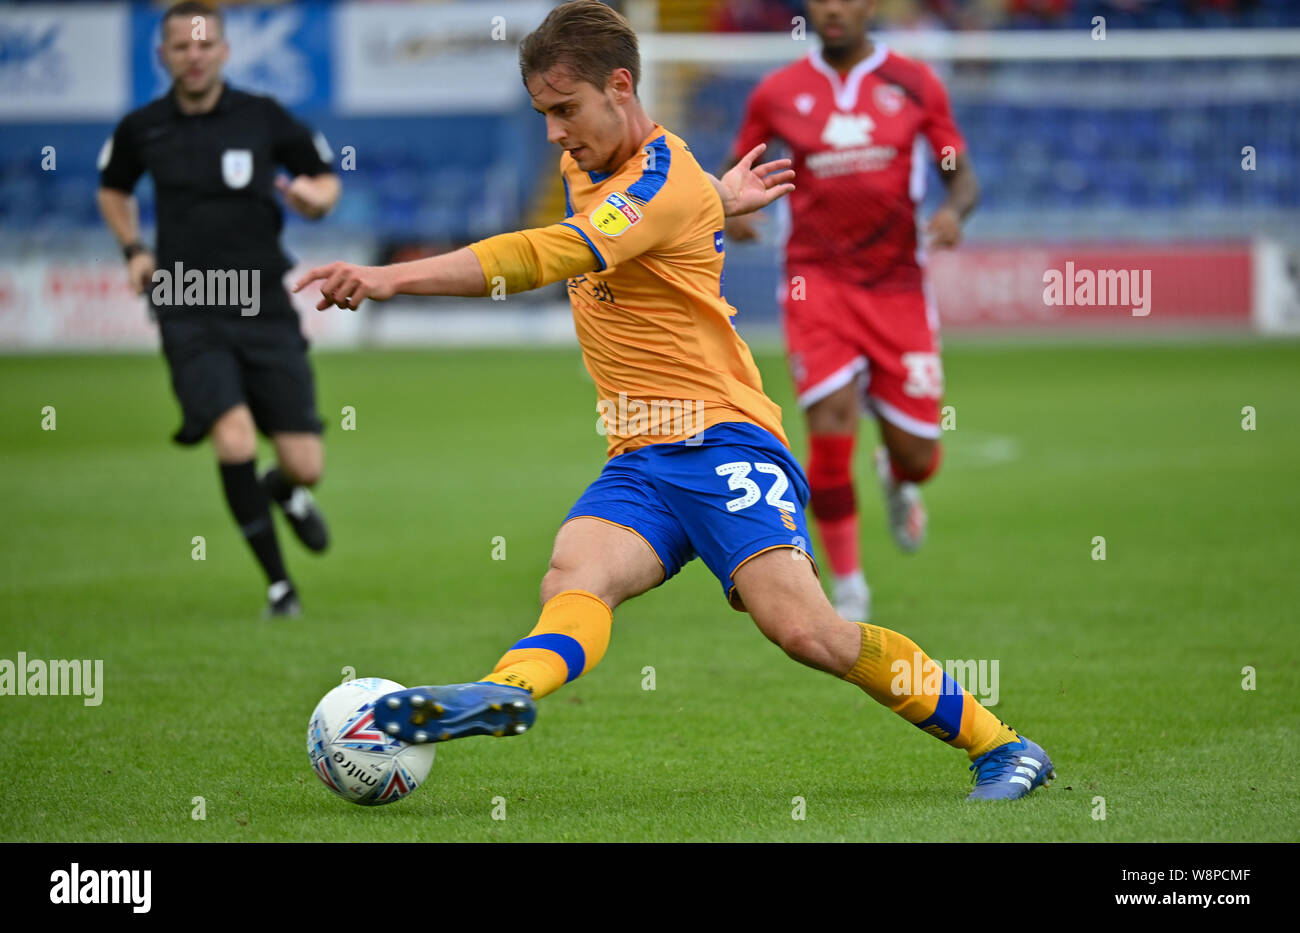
(282, 601)
(299, 508)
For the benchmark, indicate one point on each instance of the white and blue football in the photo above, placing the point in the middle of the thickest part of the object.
(352, 757)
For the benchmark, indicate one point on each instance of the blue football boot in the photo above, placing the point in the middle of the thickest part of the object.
(1011, 771)
(437, 714)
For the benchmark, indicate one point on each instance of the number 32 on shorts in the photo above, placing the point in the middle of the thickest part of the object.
(737, 473)
(924, 375)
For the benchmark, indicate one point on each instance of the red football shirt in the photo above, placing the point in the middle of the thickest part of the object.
(858, 178)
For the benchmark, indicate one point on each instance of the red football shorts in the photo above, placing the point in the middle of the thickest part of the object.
(886, 342)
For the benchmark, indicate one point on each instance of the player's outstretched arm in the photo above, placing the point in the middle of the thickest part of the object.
(507, 263)
(345, 285)
(746, 187)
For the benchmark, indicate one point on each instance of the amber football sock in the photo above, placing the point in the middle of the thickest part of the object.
(570, 639)
(894, 672)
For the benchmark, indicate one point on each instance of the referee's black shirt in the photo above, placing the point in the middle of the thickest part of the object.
(214, 178)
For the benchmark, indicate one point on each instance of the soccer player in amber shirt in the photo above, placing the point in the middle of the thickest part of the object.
(860, 328)
(698, 463)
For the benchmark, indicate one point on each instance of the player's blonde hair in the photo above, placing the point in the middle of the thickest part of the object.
(588, 37)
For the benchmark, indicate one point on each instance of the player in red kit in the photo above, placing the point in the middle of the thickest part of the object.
(860, 328)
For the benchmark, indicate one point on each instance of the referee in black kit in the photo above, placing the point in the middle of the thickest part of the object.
(230, 335)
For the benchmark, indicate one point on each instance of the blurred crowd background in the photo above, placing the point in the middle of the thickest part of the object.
(446, 149)
(761, 15)
(771, 15)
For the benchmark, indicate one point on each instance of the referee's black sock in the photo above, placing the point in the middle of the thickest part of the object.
(277, 485)
(252, 510)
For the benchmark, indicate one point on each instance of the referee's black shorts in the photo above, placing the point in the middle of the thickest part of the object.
(219, 359)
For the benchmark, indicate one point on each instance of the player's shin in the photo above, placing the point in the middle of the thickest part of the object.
(569, 639)
(896, 673)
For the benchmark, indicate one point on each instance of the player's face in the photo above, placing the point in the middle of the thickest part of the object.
(194, 53)
(580, 117)
(840, 24)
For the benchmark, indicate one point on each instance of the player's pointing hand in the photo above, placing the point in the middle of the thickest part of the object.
(346, 286)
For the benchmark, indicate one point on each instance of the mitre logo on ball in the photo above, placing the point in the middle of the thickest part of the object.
(848, 129)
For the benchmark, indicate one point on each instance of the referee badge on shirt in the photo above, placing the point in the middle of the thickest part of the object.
(237, 167)
(614, 215)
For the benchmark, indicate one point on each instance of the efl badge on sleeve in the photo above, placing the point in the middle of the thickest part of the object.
(614, 215)
(237, 167)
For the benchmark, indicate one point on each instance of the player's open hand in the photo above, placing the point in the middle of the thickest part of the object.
(346, 286)
(747, 187)
(944, 229)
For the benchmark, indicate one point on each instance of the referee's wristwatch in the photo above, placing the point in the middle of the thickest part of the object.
(133, 249)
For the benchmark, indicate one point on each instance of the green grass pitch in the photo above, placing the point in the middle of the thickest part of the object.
(1128, 670)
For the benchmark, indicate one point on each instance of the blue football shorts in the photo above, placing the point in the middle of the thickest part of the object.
(726, 495)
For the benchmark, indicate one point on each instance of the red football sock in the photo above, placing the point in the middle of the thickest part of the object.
(830, 480)
(840, 538)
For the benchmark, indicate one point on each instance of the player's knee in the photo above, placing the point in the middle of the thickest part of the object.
(793, 635)
(301, 458)
(552, 585)
(560, 577)
(837, 414)
(234, 436)
(802, 643)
